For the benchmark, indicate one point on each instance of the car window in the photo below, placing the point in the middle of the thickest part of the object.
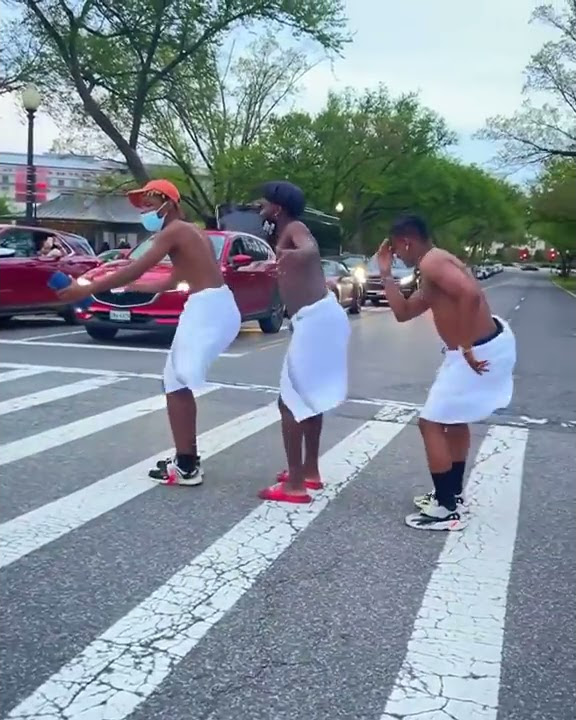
(265, 250)
(328, 267)
(254, 248)
(21, 241)
(218, 242)
(237, 247)
(343, 269)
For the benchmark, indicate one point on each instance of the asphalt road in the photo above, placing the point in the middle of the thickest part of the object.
(121, 599)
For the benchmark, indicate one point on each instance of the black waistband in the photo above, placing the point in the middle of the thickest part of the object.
(488, 338)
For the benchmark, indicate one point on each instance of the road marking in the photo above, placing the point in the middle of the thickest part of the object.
(63, 434)
(452, 667)
(29, 532)
(56, 393)
(113, 675)
(52, 335)
(20, 372)
(270, 345)
(94, 346)
(517, 307)
(522, 299)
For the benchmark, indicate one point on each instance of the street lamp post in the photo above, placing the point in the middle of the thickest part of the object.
(339, 208)
(31, 100)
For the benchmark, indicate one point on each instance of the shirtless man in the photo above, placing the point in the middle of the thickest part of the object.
(208, 324)
(315, 374)
(476, 376)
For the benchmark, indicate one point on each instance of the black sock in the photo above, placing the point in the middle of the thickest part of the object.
(187, 463)
(443, 484)
(458, 476)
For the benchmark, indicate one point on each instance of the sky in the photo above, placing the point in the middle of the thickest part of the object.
(464, 58)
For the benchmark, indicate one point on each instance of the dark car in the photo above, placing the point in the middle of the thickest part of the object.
(530, 268)
(341, 281)
(24, 272)
(406, 278)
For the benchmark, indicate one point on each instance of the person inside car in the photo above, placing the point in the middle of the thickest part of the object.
(50, 248)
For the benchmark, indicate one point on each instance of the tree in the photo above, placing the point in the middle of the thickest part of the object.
(553, 209)
(207, 131)
(539, 132)
(116, 58)
(354, 152)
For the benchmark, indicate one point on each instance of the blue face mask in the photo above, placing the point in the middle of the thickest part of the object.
(152, 221)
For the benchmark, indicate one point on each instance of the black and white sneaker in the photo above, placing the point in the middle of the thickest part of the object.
(421, 501)
(436, 517)
(167, 472)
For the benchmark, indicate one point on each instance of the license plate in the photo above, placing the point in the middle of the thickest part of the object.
(120, 315)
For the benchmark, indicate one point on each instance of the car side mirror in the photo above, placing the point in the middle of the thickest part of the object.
(240, 260)
(7, 252)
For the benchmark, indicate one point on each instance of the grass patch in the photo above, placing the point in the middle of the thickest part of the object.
(568, 283)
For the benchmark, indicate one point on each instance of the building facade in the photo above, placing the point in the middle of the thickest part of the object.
(55, 173)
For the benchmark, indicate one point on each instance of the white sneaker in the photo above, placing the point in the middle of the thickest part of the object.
(421, 501)
(436, 517)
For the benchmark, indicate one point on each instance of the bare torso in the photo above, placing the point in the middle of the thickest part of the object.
(445, 310)
(193, 257)
(305, 285)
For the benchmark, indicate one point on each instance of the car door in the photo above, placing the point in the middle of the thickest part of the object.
(346, 283)
(20, 275)
(238, 278)
(255, 296)
(265, 274)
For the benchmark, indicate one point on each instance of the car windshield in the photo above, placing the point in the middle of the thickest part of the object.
(397, 264)
(216, 240)
(353, 261)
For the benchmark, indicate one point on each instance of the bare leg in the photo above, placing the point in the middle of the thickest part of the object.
(458, 437)
(439, 461)
(312, 431)
(181, 407)
(293, 434)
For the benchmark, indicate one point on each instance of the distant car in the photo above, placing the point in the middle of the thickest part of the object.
(114, 254)
(24, 273)
(406, 278)
(341, 281)
(357, 265)
(530, 268)
(249, 267)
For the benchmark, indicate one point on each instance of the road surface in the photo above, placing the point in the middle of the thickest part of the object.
(121, 599)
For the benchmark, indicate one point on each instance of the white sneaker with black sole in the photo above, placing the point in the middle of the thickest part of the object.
(436, 517)
(167, 472)
(421, 501)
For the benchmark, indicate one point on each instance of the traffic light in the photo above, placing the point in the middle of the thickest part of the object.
(552, 254)
(524, 254)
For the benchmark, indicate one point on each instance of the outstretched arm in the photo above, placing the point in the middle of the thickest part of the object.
(160, 286)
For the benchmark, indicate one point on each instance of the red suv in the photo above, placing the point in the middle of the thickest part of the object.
(24, 273)
(249, 268)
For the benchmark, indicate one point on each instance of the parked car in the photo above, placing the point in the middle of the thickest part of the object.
(531, 268)
(249, 267)
(357, 265)
(406, 278)
(114, 254)
(24, 273)
(342, 282)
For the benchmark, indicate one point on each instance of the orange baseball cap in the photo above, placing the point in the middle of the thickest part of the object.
(154, 187)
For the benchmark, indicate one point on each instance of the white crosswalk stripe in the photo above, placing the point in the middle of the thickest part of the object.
(453, 658)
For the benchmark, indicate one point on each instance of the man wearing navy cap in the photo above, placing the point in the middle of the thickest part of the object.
(315, 372)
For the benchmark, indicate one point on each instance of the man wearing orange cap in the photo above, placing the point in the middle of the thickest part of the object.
(208, 324)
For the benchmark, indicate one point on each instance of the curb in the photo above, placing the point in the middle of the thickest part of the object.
(564, 289)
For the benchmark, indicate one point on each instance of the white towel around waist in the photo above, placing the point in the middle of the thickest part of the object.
(314, 376)
(209, 323)
(459, 395)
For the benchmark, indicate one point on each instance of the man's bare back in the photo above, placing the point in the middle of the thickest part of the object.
(444, 279)
(300, 276)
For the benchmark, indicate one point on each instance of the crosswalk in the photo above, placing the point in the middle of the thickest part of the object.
(79, 515)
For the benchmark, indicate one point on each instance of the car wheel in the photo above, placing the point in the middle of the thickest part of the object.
(356, 306)
(69, 316)
(376, 302)
(273, 322)
(101, 333)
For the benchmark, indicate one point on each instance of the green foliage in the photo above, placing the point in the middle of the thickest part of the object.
(553, 209)
(540, 132)
(5, 207)
(107, 64)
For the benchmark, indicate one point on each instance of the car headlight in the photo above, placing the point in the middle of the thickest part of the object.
(360, 274)
(183, 287)
(83, 281)
(408, 280)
